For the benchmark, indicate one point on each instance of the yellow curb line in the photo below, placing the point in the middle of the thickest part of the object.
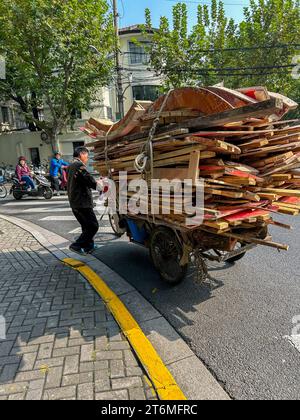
(162, 379)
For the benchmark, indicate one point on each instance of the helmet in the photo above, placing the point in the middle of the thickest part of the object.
(22, 158)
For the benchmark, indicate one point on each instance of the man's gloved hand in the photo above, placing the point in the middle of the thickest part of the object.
(102, 186)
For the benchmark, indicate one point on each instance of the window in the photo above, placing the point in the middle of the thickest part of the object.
(145, 93)
(109, 112)
(138, 53)
(5, 114)
(35, 156)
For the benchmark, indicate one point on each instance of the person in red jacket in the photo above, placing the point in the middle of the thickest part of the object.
(24, 174)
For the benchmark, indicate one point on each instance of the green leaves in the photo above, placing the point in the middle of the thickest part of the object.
(217, 43)
(46, 43)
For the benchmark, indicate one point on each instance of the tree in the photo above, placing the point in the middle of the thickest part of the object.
(257, 51)
(46, 46)
(178, 54)
(270, 24)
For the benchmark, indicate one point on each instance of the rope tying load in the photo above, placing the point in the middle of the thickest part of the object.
(144, 161)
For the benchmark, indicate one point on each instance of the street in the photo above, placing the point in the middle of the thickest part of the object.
(239, 324)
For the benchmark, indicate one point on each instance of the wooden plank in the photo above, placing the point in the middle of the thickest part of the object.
(220, 225)
(290, 146)
(224, 193)
(281, 192)
(171, 173)
(143, 136)
(254, 110)
(215, 145)
(260, 109)
(250, 239)
(238, 180)
(193, 172)
(255, 144)
(181, 152)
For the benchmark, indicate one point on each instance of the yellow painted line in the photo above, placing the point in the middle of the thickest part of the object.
(163, 381)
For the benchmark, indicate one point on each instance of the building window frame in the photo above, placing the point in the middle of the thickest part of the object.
(5, 114)
(138, 54)
(145, 92)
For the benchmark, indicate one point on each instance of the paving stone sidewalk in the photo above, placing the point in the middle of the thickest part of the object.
(61, 342)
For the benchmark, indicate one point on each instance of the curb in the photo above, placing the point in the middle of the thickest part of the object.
(191, 375)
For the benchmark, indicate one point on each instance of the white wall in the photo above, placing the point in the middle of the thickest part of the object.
(13, 145)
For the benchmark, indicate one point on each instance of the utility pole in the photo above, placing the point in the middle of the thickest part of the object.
(118, 67)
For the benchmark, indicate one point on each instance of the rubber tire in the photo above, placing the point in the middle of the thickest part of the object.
(155, 252)
(120, 233)
(47, 193)
(17, 195)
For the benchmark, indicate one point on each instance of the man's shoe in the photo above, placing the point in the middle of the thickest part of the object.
(77, 250)
(91, 250)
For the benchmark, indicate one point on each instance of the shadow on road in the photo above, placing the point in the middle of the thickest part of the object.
(133, 263)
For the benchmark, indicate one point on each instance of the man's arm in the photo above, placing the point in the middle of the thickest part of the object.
(87, 178)
(54, 164)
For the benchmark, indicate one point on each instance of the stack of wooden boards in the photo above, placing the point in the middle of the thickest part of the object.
(237, 141)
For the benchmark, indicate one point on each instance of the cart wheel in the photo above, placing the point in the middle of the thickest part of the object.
(166, 253)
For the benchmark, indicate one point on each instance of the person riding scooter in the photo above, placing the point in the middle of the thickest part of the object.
(57, 167)
(24, 174)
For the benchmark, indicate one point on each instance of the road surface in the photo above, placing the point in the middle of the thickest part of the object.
(240, 323)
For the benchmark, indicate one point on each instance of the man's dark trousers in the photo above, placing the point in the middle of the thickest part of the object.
(90, 226)
(55, 183)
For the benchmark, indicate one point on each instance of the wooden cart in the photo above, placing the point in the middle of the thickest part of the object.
(172, 247)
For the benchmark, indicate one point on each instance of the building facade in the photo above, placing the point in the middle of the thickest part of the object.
(11, 117)
(138, 80)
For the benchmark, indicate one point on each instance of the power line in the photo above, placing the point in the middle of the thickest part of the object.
(205, 2)
(209, 73)
(261, 47)
(286, 66)
(216, 70)
(212, 50)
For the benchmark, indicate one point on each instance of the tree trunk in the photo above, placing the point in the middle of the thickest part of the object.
(34, 109)
(53, 137)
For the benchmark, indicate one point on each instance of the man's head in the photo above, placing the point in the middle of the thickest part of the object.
(57, 156)
(82, 153)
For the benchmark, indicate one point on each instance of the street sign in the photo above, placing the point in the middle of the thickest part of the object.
(2, 68)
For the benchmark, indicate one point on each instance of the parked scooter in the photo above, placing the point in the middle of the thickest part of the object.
(43, 188)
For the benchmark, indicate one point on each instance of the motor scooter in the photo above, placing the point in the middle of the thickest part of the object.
(43, 188)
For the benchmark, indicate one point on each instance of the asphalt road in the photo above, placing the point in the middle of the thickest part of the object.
(239, 323)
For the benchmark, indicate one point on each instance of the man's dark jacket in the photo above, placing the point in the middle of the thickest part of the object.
(80, 183)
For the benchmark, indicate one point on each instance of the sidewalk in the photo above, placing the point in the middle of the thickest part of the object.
(61, 342)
